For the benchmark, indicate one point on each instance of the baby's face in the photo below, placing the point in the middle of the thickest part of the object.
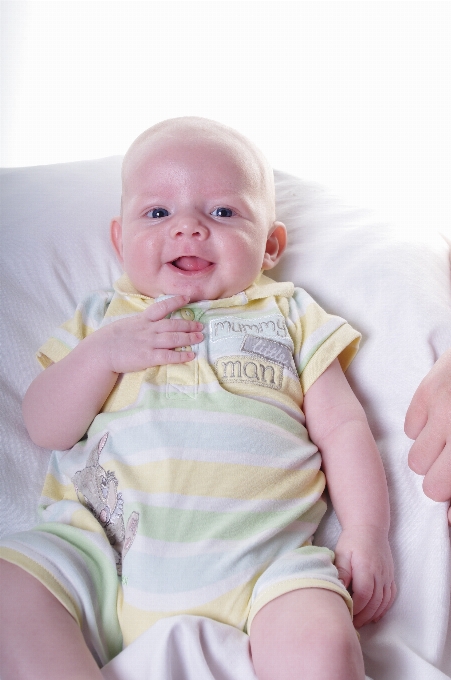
(196, 219)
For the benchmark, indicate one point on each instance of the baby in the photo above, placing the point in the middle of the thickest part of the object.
(185, 481)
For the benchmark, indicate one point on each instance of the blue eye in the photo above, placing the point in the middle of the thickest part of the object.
(222, 212)
(157, 213)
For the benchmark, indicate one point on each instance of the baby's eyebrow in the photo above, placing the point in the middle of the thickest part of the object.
(234, 199)
(146, 200)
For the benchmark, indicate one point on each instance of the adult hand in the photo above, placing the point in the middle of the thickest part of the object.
(428, 422)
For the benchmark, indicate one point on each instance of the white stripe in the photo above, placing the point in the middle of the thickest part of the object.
(300, 460)
(66, 338)
(299, 304)
(167, 602)
(178, 416)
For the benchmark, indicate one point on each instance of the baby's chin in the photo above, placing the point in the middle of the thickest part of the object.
(197, 289)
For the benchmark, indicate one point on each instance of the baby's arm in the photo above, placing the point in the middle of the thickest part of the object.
(358, 489)
(63, 400)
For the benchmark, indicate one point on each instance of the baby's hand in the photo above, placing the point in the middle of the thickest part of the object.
(428, 421)
(149, 339)
(364, 562)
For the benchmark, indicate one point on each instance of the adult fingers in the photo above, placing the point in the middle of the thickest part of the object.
(432, 394)
(427, 447)
(437, 482)
(417, 414)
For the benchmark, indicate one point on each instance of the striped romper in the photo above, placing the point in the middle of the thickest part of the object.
(196, 490)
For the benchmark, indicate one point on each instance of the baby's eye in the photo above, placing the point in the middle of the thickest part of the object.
(157, 213)
(222, 212)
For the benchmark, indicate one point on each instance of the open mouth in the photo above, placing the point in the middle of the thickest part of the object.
(191, 263)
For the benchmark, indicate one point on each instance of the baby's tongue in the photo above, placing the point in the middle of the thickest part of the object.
(192, 264)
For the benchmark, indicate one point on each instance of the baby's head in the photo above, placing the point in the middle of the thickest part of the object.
(198, 211)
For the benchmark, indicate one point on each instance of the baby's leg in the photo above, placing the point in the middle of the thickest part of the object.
(39, 639)
(306, 634)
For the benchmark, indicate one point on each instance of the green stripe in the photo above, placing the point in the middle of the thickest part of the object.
(175, 525)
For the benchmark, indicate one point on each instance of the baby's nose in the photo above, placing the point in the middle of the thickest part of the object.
(189, 226)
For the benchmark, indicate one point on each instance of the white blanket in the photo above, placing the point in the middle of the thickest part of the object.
(395, 291)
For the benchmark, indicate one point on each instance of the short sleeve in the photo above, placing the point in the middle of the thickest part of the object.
(318, 338)
(88, 317)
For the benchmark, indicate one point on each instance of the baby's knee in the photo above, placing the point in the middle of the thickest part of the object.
(309, 629)
(333, 638)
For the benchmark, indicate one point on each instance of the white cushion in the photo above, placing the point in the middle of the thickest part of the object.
(55, 247)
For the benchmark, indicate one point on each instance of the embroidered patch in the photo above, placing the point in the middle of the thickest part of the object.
(254, 371)
(228, 327)
(269, 349)
(96, 488)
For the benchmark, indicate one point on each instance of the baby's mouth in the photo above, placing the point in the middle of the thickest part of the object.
(190, 263)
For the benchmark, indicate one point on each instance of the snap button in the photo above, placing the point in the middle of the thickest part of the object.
(186, 348)
(187, 314)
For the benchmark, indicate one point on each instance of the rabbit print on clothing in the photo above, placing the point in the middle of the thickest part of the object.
(97, 489)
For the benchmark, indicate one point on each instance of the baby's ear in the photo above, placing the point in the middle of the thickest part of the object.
(116, 236)
(275, 245)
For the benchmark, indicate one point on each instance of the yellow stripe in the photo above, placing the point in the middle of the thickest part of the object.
(51, 352)
(120, 306)
(77, 327)
(223, 480)
(125, 392)
(344, 337)
(84, 519)
(57, 491)
(290, 395)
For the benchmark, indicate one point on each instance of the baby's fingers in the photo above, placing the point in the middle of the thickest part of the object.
(169, 356)
(174, 339)
(159, 310)
(387, 601)
(367, 597)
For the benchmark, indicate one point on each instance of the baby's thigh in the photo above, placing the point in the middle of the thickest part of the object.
(39, 639)
(306, 633)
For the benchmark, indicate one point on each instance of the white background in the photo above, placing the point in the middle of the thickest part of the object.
(353, 95)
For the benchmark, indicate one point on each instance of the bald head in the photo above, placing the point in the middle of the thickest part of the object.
(194, 131)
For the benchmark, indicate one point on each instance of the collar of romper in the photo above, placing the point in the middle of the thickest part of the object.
(263, 287)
